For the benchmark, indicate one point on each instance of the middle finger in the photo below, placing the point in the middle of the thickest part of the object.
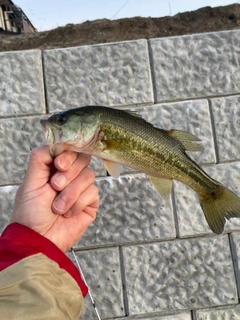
(69, 195)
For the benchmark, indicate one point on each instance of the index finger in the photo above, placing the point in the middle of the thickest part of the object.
(38, 169)
(39, 162)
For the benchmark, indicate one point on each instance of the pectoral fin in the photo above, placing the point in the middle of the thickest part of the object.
(163, 186)
(186, 139)
(113, 168)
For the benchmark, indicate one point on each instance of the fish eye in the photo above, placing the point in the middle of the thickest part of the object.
(61, 119)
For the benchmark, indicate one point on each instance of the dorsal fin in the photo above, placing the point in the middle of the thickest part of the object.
(186, 139)
(135, 114)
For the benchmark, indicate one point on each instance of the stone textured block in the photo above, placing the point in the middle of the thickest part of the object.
(21, 82)
(7, 196)
(113, 74)
(193, 66)
(230, 313)
(190, 216)
(191, 116)
(17, 137)
(235, 242)
(226, 114)
(101, 269)
(178, 275)
(130, 211)
(97, 166)
(179, 316)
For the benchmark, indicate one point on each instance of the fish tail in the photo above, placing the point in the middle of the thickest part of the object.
(219, 205)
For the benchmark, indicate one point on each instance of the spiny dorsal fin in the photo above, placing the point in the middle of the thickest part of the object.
(135, 114)
(186, 139)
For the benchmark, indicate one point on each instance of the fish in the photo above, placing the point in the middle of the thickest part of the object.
(122, 137)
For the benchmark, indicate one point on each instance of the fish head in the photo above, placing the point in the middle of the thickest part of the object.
(69, 130)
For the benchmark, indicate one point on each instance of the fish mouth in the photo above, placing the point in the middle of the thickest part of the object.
(52, 137)
(51, 134)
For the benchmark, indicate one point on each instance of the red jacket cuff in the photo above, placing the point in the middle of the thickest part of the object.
(18, 242)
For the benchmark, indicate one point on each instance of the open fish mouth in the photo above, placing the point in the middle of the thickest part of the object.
(53, 138)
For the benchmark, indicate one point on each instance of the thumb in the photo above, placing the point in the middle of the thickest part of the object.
(38, 170)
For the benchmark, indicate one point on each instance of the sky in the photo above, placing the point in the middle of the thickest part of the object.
(50, 14)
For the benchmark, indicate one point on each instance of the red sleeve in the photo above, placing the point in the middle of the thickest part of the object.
(18, 242)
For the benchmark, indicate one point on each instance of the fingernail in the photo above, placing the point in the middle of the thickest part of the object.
(64, 162)
(60, 180)
(59, 204)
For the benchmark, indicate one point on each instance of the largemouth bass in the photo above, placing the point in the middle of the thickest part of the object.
(124, 138)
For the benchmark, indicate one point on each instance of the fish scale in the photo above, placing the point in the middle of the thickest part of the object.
(152, 154)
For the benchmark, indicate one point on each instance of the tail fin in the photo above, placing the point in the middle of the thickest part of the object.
(217, 208)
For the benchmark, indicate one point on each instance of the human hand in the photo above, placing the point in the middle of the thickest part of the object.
(57, 197)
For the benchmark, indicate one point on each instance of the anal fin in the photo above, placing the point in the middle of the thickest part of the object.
(163, 186)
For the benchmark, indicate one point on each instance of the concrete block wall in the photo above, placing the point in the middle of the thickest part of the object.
(143, 257)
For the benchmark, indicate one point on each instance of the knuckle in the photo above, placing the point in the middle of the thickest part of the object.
(94, 215)
(84, 158)
(72, 193)
(95, 192)
(34, 154)
(81, 203)
(89, 174)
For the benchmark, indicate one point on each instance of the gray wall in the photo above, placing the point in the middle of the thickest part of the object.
(142, 256)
